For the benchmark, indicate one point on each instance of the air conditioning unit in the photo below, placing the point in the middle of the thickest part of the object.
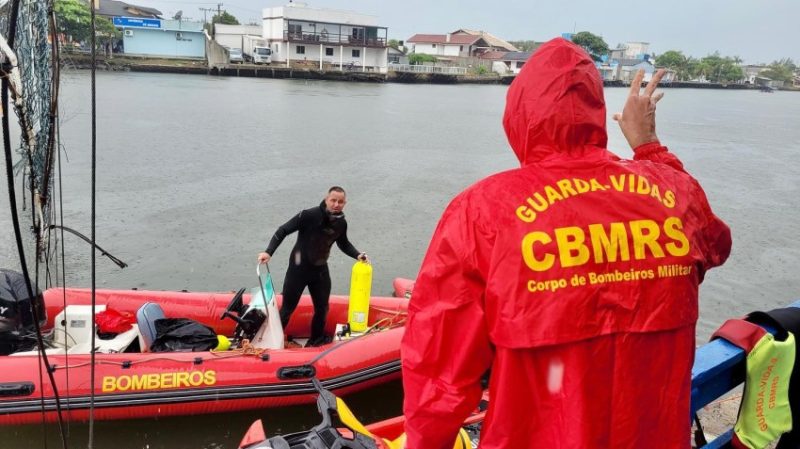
(129, 33)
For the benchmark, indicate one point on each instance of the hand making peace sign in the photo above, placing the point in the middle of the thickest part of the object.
(638, 118)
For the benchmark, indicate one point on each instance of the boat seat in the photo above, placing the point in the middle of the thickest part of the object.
(146, 318)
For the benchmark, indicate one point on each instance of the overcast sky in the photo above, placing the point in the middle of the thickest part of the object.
(756, 30)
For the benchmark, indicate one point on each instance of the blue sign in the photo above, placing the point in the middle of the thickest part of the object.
(132, 22)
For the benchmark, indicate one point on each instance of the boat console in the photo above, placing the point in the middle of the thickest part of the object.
(248, 319)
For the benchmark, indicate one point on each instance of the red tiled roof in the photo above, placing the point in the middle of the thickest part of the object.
(490, 38)
(456, 39)
(497, 55)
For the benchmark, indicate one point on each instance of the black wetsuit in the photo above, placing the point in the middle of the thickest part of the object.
(308, 263)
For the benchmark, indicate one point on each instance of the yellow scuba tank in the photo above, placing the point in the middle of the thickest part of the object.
(360, 286)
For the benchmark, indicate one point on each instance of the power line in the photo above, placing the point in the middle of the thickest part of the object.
(205, 10)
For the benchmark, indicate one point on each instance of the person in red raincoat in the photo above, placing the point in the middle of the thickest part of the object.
(574, 278)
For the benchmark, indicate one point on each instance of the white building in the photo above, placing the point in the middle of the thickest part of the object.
(507, 62)
(629, 67)
(231, 35)
(609, 70)
(630, 50)
(463, 45)
(751, 72)
(297, 32)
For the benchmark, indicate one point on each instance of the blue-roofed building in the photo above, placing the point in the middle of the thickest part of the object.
(609, 70)
(162, 38)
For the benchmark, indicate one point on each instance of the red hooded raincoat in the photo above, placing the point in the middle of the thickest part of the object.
(574, 278)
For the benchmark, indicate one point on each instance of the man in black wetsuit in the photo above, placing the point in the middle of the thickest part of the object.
(317, 229)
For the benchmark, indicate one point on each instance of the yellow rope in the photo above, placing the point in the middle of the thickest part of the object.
(245, 348)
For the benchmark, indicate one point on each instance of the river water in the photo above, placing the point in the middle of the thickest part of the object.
(195, 173)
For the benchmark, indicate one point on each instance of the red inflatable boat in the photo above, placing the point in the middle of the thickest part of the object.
(403, 287)
(130, 383)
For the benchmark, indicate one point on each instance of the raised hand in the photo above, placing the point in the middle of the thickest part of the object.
(638, 118)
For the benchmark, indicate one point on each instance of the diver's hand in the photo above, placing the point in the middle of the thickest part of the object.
(638, 118)
(263, 258)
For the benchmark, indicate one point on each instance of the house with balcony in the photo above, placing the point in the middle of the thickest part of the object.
(325, 37)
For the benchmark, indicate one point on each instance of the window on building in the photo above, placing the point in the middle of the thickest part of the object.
(329, 51)
(434, 45)
(356, 53)
(295, 30)
(460, 48)
(301, 49)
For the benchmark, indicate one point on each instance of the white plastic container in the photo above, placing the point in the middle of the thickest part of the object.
(73, 325)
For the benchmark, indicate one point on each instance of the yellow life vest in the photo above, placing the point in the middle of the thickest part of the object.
(764, 413)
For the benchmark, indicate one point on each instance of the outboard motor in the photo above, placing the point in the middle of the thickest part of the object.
(17, 313)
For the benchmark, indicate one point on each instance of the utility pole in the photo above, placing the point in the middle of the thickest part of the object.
(219, 15)
(205, 19)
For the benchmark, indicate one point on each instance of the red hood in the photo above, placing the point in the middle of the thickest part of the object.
(555, 106)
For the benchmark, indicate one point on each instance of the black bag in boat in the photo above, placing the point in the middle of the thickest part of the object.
(182, 335)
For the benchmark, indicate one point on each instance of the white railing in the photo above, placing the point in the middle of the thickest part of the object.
(427, 69)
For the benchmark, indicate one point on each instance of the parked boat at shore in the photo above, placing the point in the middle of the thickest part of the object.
(130, 383)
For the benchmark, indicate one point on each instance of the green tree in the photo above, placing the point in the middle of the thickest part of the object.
(731, 73)
(523, 45)
(672, 59)
(419, 58)
(721, 69)
(592, 43)
(781, 70)
(225, 18)
(74, 19)
(394, 43)
(695, 69)
(677, 61)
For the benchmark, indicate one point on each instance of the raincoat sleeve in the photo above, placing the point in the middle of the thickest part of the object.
(716, 235)
(446, 346)
(655, 152)
(293, 225)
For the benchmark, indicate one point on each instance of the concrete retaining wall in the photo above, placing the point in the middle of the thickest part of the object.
(216, 54)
